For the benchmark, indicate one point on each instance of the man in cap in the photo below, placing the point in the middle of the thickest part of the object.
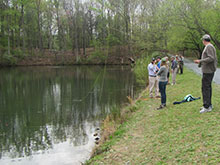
(153, 81)
(173, 69)
(208, 63)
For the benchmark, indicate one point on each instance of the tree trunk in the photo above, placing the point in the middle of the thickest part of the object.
(2, 26)
(76, 31)
(13, 38)
(60, 41)
(84, 36)
(40, 42)
(49, 26)
(102, 27)
(217, 43)
(17, 31)
(50, 38)
(22, 27)
(9, 45)
(76, 41)
(90, 26)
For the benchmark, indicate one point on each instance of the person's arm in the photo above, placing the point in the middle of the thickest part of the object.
(157, 68)
(197, 61)
(160, 71)
(171, 65)
(210, 55)
(151, 68)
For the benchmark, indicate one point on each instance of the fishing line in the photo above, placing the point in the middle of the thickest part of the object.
(91, 88)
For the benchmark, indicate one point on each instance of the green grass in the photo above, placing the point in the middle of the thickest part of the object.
(178, 134)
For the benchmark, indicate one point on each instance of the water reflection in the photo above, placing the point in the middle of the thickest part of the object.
(48, 114)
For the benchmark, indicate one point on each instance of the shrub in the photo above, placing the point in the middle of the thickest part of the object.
(8, 59)
(98, 55)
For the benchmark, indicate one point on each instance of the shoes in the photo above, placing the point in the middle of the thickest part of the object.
(161, 107)
(157, 96)
(204, 110)
(210, 107)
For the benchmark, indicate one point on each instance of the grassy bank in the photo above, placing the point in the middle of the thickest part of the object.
(178, 134)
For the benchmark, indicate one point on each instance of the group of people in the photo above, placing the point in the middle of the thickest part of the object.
(159, 72)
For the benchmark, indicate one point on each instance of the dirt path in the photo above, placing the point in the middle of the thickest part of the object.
(192, 66)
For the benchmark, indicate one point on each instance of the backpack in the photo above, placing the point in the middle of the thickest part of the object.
(187, 98)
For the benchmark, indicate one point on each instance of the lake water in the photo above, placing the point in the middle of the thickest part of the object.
(48, 115)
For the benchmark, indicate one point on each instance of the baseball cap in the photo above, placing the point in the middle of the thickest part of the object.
(153, 59)
(163, 59)
(206, 37)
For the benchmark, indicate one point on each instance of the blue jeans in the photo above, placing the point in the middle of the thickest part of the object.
(162, 88)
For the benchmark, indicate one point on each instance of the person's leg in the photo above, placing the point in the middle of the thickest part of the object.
(165, 96)
(168, 76)
(210, 89)
(162, 91)
(178, 68)
(157, 87)
(151, 85)
(181, 68)
(174, 76)
(211, 78)
(204, 90)
(207, 89)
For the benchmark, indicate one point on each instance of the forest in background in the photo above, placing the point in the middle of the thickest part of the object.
(101, 29)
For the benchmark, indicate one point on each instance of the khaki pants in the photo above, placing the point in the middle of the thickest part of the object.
(174, 71)
(153, 83)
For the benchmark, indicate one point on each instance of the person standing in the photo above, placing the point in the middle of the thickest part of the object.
(158, 62)
(208, 63)
(163, 82)
(174, 70)
(153, 81)
(181, 63)
(177, 60)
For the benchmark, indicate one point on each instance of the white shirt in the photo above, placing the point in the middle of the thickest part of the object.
(152, 69)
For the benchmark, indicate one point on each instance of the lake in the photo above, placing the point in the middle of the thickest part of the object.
(48, 115)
